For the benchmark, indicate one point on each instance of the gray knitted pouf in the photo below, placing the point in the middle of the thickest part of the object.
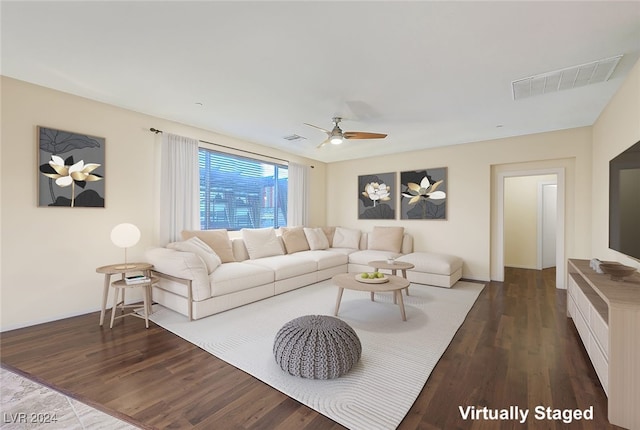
(317, 347)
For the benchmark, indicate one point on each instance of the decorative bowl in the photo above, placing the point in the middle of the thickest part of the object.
(617, 271)
(372, 281)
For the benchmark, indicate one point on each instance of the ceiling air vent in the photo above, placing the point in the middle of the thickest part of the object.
(293, 137)
(564, 79)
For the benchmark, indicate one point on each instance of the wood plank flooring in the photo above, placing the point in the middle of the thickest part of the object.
(516, 348)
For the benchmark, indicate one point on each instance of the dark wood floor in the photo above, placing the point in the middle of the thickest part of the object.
(516, 348)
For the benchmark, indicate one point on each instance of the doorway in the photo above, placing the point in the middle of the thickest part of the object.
(533, 257)
(530, 221)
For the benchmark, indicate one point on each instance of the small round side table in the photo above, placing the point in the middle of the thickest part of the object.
(120, 287)
(394, 267)
(118, 269)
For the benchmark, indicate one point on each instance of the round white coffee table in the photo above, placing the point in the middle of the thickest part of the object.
(395, 284)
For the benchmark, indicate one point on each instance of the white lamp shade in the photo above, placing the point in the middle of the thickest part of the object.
(125, 235)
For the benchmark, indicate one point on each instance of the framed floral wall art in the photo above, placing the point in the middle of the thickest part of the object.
(424, 194)
(71, 169)
(377, 196)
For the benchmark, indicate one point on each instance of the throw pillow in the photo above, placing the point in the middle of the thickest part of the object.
(386, 238)
(201, 249)
(329, 232)
(346, 238)
(218, 240)
(261, 242)
(316, 238)
(294, 239)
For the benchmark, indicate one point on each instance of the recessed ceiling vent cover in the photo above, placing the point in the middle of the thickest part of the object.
(564, 79)
(292, 137)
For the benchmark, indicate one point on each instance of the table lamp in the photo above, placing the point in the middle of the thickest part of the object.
(125, 235)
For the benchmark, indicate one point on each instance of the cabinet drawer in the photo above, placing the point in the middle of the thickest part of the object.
(600, 364)
(571, 286)
(600, 331)
(583, 328)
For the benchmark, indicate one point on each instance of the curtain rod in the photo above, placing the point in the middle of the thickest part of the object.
(156, 131)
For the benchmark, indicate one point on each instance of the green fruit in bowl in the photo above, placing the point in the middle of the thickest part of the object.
(364, 275)
(379, 275)
(372, 275)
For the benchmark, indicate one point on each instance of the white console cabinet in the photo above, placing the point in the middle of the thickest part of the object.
(606, 314)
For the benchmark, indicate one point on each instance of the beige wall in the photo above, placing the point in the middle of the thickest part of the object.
(49, 255)
(467, 232)
(521, 219)
(617, 128)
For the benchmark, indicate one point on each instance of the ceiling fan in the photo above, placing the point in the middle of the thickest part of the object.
(336, 136)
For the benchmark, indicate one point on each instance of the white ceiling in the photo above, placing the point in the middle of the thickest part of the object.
(427, 73)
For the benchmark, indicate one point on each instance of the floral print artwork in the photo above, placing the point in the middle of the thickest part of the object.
(424, 194)
(376, 196)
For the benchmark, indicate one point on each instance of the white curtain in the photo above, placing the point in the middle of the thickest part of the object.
(179, 187)
(298, 195)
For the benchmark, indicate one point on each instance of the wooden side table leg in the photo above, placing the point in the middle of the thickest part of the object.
(146, 305)
(149, 291)
(401, 303)
(115, 306)
(404, 275)
(105, 296)
(340, 291)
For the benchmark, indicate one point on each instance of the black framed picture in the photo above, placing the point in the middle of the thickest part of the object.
(377, 196)
(424, 194)
(71, 169)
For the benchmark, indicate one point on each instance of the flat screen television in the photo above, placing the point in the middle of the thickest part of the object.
(624, 202)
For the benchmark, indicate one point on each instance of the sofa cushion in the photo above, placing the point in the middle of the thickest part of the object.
(329, 232)
(325, 259)
(365, 256)
(201, 249)
(316, 238)
(386, 238)
(233, 277)
(218, 240)
(431, 262)
(346, 238)
(286, 266)
(295, 239)
(261, 242)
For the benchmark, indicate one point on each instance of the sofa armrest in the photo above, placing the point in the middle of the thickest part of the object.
(183, 265)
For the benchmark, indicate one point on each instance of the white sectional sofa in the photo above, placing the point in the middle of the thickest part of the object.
(209, 272)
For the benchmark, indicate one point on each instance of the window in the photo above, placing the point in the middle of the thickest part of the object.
(238, 192)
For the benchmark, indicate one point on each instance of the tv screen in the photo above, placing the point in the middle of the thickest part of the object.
(624, 202)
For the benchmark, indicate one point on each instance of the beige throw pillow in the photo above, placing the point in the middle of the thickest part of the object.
(261, 242)
(346, 238)
(316, 238)
(386, 238)
(218, 240)
(294, 239)
(201, 249)
(329, 232)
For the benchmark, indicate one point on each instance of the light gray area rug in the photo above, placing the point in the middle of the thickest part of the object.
(397, 356)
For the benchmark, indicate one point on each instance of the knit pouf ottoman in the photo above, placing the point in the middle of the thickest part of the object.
(317, 347)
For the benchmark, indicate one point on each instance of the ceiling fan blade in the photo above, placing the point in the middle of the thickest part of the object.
(363, 135)
(322, 144)
(319, 128)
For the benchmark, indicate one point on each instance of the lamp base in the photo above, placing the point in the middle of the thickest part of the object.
(126, 266)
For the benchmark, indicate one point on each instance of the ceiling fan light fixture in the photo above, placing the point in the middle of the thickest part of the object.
(336, 140)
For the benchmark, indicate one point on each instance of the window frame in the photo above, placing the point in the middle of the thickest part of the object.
(252, 204)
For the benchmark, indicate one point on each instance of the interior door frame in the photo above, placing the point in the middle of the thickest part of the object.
(540, 215)
(498, 264)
